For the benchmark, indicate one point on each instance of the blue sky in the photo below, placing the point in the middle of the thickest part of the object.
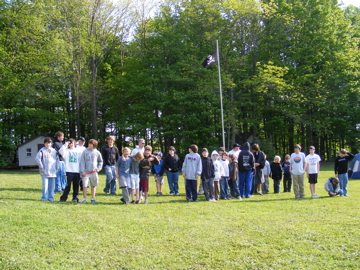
(350, 2)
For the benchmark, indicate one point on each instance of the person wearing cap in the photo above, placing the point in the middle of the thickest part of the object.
(81, 143)
(158, 172)
(235, 150)
(312, 169)
(341, 169)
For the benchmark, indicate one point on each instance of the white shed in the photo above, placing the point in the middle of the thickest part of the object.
(28, 150)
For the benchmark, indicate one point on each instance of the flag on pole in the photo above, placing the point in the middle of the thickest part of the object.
(211, 59)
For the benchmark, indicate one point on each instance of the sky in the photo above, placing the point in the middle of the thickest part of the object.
(350, 2)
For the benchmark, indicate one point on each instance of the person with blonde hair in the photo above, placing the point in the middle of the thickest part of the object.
(122, 170)
(276, 173)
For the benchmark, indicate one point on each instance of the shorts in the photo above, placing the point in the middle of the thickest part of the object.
(92, 178)
(159, 179)
(124, 181)
(134, 181)
(144, 185)
(313, 178)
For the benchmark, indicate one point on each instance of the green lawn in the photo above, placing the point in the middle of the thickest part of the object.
(273, 231)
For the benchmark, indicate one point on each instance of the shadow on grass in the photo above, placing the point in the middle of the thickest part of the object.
(21, 189)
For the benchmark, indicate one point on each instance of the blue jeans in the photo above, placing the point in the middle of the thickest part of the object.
(234, 188)
(60, 182)
(343, 178)
(110, 179)
(224, 188)
(48, 186)
(173, 180)
(245, 183)
(277, 186)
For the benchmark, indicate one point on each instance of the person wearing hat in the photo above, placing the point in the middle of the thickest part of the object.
(172, 166)
(81, 143)
(235, 150)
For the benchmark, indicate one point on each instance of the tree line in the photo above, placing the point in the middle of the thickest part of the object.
(290, 73)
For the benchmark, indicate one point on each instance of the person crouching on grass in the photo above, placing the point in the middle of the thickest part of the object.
(90, 164)
(332, 186)
(145, 169)
(122, 170)
(191, 169)
(48, 161)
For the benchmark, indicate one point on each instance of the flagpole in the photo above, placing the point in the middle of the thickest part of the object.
(221, 99)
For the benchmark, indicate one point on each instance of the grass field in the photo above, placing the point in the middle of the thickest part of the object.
(273, 231)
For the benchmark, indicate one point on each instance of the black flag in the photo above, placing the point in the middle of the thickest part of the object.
(211, 59)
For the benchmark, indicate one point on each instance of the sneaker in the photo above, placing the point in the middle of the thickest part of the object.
(160, 193)
(146, 201)
(346, 195)
(177, 194)
(172, 193)
(132, 202)
(93, 201)
(200, 192)
(137, 202)
(114, 193)
(157, 193)
(83, 201)
(212, 200)
(259, 193)
(240, 198)
(123, 200)
(75, 200)
(195, 200)
(314, 196)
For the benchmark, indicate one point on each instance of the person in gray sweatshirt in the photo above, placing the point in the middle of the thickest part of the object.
(48, 162)
(332, 186)
(90, 164)
(192, 168)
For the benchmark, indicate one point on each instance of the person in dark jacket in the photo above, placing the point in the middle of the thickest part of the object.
(341, 169)
(158, 172)
(276, 173)
(246, 163)
(259, 165)
(207, 175)
(172, 166)
(110, 155)
(60, 181)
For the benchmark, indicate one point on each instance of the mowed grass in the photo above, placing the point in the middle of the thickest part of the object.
(273, 231)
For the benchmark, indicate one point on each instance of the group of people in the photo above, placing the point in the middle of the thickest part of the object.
(240, 173)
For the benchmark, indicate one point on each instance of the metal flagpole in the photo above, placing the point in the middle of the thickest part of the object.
(221, 100)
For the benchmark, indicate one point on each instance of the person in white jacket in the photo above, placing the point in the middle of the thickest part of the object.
(224, 186)
(219, 171)
(71, 155)
(48, 162)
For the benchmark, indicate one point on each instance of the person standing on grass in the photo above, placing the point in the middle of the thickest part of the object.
(287, 175)
(110, 155)
(71, 155)
(60, 182)
(172, 166)
(233, 176)
(48, 162)
(122, 170)
(341, 169)
(297, 170)
(224, 187)
(158, 172)
(134, 177)
(145, 170)
(312, 169)
(276, 173)
(246, 164)
(332, 186)
(219, 171)
(259, 165)
(266, 172)
(207, 175)
(191, 169)
(90, 164)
